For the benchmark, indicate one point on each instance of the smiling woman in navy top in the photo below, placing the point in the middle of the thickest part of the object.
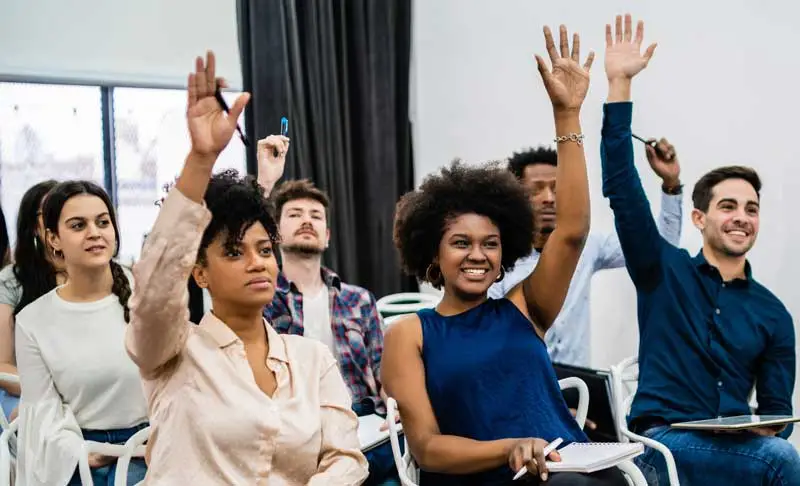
(476, 390)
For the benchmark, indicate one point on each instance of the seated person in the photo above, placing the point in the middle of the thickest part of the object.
(311, 300)
(76, 378)
(35, 271)
(474, 385)
(708, 329)
(232, 401)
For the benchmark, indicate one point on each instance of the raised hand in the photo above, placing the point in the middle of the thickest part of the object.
(624, 59)
(270, 166)
(568, 81)
(664, 161)
(210, 128)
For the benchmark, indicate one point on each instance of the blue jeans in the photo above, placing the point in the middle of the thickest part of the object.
(707, 458)
(8, 402)
(104, 476)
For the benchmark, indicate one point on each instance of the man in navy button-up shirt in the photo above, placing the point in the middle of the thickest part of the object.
(708, 330)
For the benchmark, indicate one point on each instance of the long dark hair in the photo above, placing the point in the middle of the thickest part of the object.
(32, 269)
(53, 205)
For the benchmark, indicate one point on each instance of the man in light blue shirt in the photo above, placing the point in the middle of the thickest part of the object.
(568, 341)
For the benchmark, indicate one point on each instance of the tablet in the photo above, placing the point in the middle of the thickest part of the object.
(739, 422)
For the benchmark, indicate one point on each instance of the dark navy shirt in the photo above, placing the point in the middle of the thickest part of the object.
(703, 342)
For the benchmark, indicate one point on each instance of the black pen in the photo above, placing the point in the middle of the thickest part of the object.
(224, 105)
(651, 143)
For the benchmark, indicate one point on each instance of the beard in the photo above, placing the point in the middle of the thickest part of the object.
(303, 249)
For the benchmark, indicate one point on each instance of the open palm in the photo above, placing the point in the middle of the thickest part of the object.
(210, 128)
(624, 59)
(568, 81)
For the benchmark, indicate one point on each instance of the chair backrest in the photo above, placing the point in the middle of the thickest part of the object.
(624, 379)
(405, 303)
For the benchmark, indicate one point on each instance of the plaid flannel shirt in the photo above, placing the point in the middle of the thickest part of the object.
(357, 332)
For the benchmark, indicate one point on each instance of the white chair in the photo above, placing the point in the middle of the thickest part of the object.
(133, 447)
(406, 303)
(7, 439)
(408, 471)
(624, 379)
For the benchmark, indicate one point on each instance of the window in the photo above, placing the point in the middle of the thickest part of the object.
(56, 132)
(151, 145)
(47, 132)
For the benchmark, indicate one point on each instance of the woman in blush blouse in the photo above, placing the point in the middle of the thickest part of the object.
(231, 400)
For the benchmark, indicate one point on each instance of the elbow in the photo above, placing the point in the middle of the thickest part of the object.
(575, 235)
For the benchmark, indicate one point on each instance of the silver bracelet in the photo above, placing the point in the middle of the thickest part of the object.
(572, 137)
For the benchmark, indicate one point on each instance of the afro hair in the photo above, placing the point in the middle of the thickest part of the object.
(422, 216)
(236, 203)
(539, 155)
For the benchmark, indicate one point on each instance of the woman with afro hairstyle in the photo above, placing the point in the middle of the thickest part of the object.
(231, 400)
(474, 385)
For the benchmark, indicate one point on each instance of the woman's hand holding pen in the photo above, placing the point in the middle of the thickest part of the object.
(210, 128)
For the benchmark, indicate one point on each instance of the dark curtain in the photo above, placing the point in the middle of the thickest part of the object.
(339, 71)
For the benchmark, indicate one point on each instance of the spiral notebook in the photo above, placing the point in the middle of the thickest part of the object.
(370, 434)
(594, 456)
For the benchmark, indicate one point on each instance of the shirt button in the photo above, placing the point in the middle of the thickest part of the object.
(719, 384)
(717, 311)
(724, 284)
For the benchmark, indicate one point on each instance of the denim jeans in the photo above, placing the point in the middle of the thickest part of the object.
(708, 458)
(8, 402)
(104, 476)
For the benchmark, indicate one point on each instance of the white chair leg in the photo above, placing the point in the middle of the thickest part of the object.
(633, 474)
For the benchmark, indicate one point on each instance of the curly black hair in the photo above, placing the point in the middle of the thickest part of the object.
(421, 216)
(236, 203)
(539, 155)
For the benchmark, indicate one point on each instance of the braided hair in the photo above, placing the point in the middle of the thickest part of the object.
(53, 205)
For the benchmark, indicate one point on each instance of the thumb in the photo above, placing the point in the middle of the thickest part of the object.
(651, 152)
(554, 456)
(542, 67)
(648, 54)
(238, 106)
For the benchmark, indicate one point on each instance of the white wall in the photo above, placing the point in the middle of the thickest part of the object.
(142, 42)
(722, 86)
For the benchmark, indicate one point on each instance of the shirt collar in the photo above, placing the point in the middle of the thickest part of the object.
(701, 262)
(330, 278)
(224, 336)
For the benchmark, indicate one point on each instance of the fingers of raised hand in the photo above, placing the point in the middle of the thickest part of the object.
(576, 47)
(627, 34)
(550, 44)
(274, 143)
(200, 81)
(211, 72)
(618, 30)
(563, 41)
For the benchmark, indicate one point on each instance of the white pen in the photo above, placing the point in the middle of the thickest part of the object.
(547, 450)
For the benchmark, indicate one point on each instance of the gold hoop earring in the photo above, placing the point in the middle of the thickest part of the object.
(501, 275)
(435, 281)
(58, 254)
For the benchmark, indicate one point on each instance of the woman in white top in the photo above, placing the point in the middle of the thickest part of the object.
(77, 380)
(34, 273)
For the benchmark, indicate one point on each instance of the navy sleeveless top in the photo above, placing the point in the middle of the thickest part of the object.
(489, 377)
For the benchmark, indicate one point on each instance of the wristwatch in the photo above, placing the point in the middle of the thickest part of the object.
(672, 190)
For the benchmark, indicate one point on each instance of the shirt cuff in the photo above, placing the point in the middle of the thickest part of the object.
(617, 117)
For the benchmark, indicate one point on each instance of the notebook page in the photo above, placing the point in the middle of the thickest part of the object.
(595, 456)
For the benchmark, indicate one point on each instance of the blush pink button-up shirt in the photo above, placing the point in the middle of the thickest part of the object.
(210, 422)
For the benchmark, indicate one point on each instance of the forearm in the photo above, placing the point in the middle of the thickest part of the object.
(266, 183)
(572, 197)
(159, 312)
(9, 386)
(636, 228)
(670, 218)
(458, 455)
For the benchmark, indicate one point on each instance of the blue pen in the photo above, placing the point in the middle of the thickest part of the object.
(284, 132)
(284, 126)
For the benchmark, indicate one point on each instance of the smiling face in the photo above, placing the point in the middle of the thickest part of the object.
(86, 235)
(242, 275)
(730, 226)
(470, 255)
